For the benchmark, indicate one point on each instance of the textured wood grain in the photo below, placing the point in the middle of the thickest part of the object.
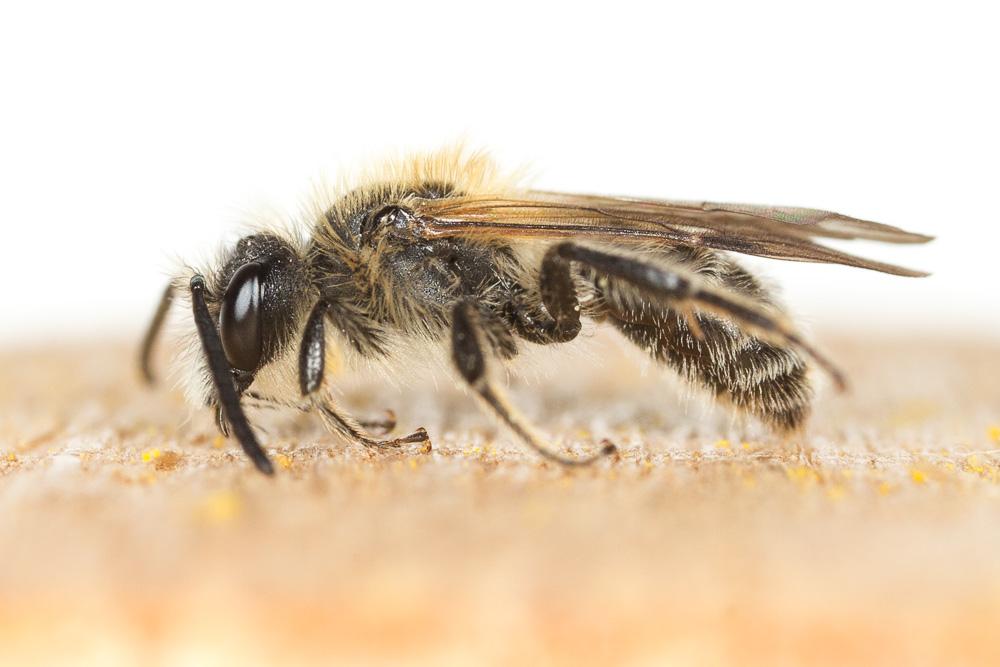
(131, 534)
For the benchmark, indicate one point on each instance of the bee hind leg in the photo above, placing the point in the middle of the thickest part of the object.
(683, 290)
(711, 321)
(468, 355)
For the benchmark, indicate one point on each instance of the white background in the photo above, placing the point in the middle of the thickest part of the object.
(130, 135)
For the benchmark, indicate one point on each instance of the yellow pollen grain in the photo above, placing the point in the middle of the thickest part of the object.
(218, 442)
(12, 457)
(918, 476)
(745, 445)
(974, 465)
(723, 444)
(151, 455)
(283, 461)
(993, 432)
(884, 489)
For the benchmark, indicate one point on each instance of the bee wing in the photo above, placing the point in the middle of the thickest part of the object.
(766, 231)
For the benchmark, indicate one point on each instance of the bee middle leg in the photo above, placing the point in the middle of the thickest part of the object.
(468, 354)
(559, 321)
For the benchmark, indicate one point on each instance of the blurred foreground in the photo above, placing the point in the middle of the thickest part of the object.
(130, 533)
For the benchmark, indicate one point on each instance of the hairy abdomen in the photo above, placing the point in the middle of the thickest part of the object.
(761, 379)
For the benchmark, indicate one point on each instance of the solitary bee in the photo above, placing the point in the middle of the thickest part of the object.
(440, 250)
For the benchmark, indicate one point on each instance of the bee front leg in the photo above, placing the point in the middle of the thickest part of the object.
(312, 352)
(351, 429)
(382, 426)
(152, 333)
(312, 355)
(470, 360)
(378, 426)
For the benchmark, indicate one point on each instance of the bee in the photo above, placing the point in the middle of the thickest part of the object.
(440, 255)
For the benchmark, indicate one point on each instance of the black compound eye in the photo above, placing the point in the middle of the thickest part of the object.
(240, 318)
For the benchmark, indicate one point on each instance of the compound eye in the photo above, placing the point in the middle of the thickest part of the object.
(240, 318)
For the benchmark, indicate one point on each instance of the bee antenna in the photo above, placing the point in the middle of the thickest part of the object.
(222, 376)
(152, 333)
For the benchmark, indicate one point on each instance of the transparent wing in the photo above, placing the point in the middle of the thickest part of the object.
(766, 231)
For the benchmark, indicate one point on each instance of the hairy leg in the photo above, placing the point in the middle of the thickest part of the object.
(312, 354)
(713, 322)
(152, 333)
(376, 426)
(352, 430)
(468, 345)
(553, 315)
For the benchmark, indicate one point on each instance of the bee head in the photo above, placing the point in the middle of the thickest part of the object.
(260, 290)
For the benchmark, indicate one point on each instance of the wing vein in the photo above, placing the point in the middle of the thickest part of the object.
(766, 231)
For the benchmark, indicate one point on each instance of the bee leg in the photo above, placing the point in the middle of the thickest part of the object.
(152, 333)
(769, 381)
(312, 355)
(351, 429)
(682, 289)
(467, 353)
(256, 400)
(382, 426)
(560, 321)
(220, 422)
(379, 426)
(312, 352)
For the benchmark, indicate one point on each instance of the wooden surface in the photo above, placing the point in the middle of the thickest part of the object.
(131, 534)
